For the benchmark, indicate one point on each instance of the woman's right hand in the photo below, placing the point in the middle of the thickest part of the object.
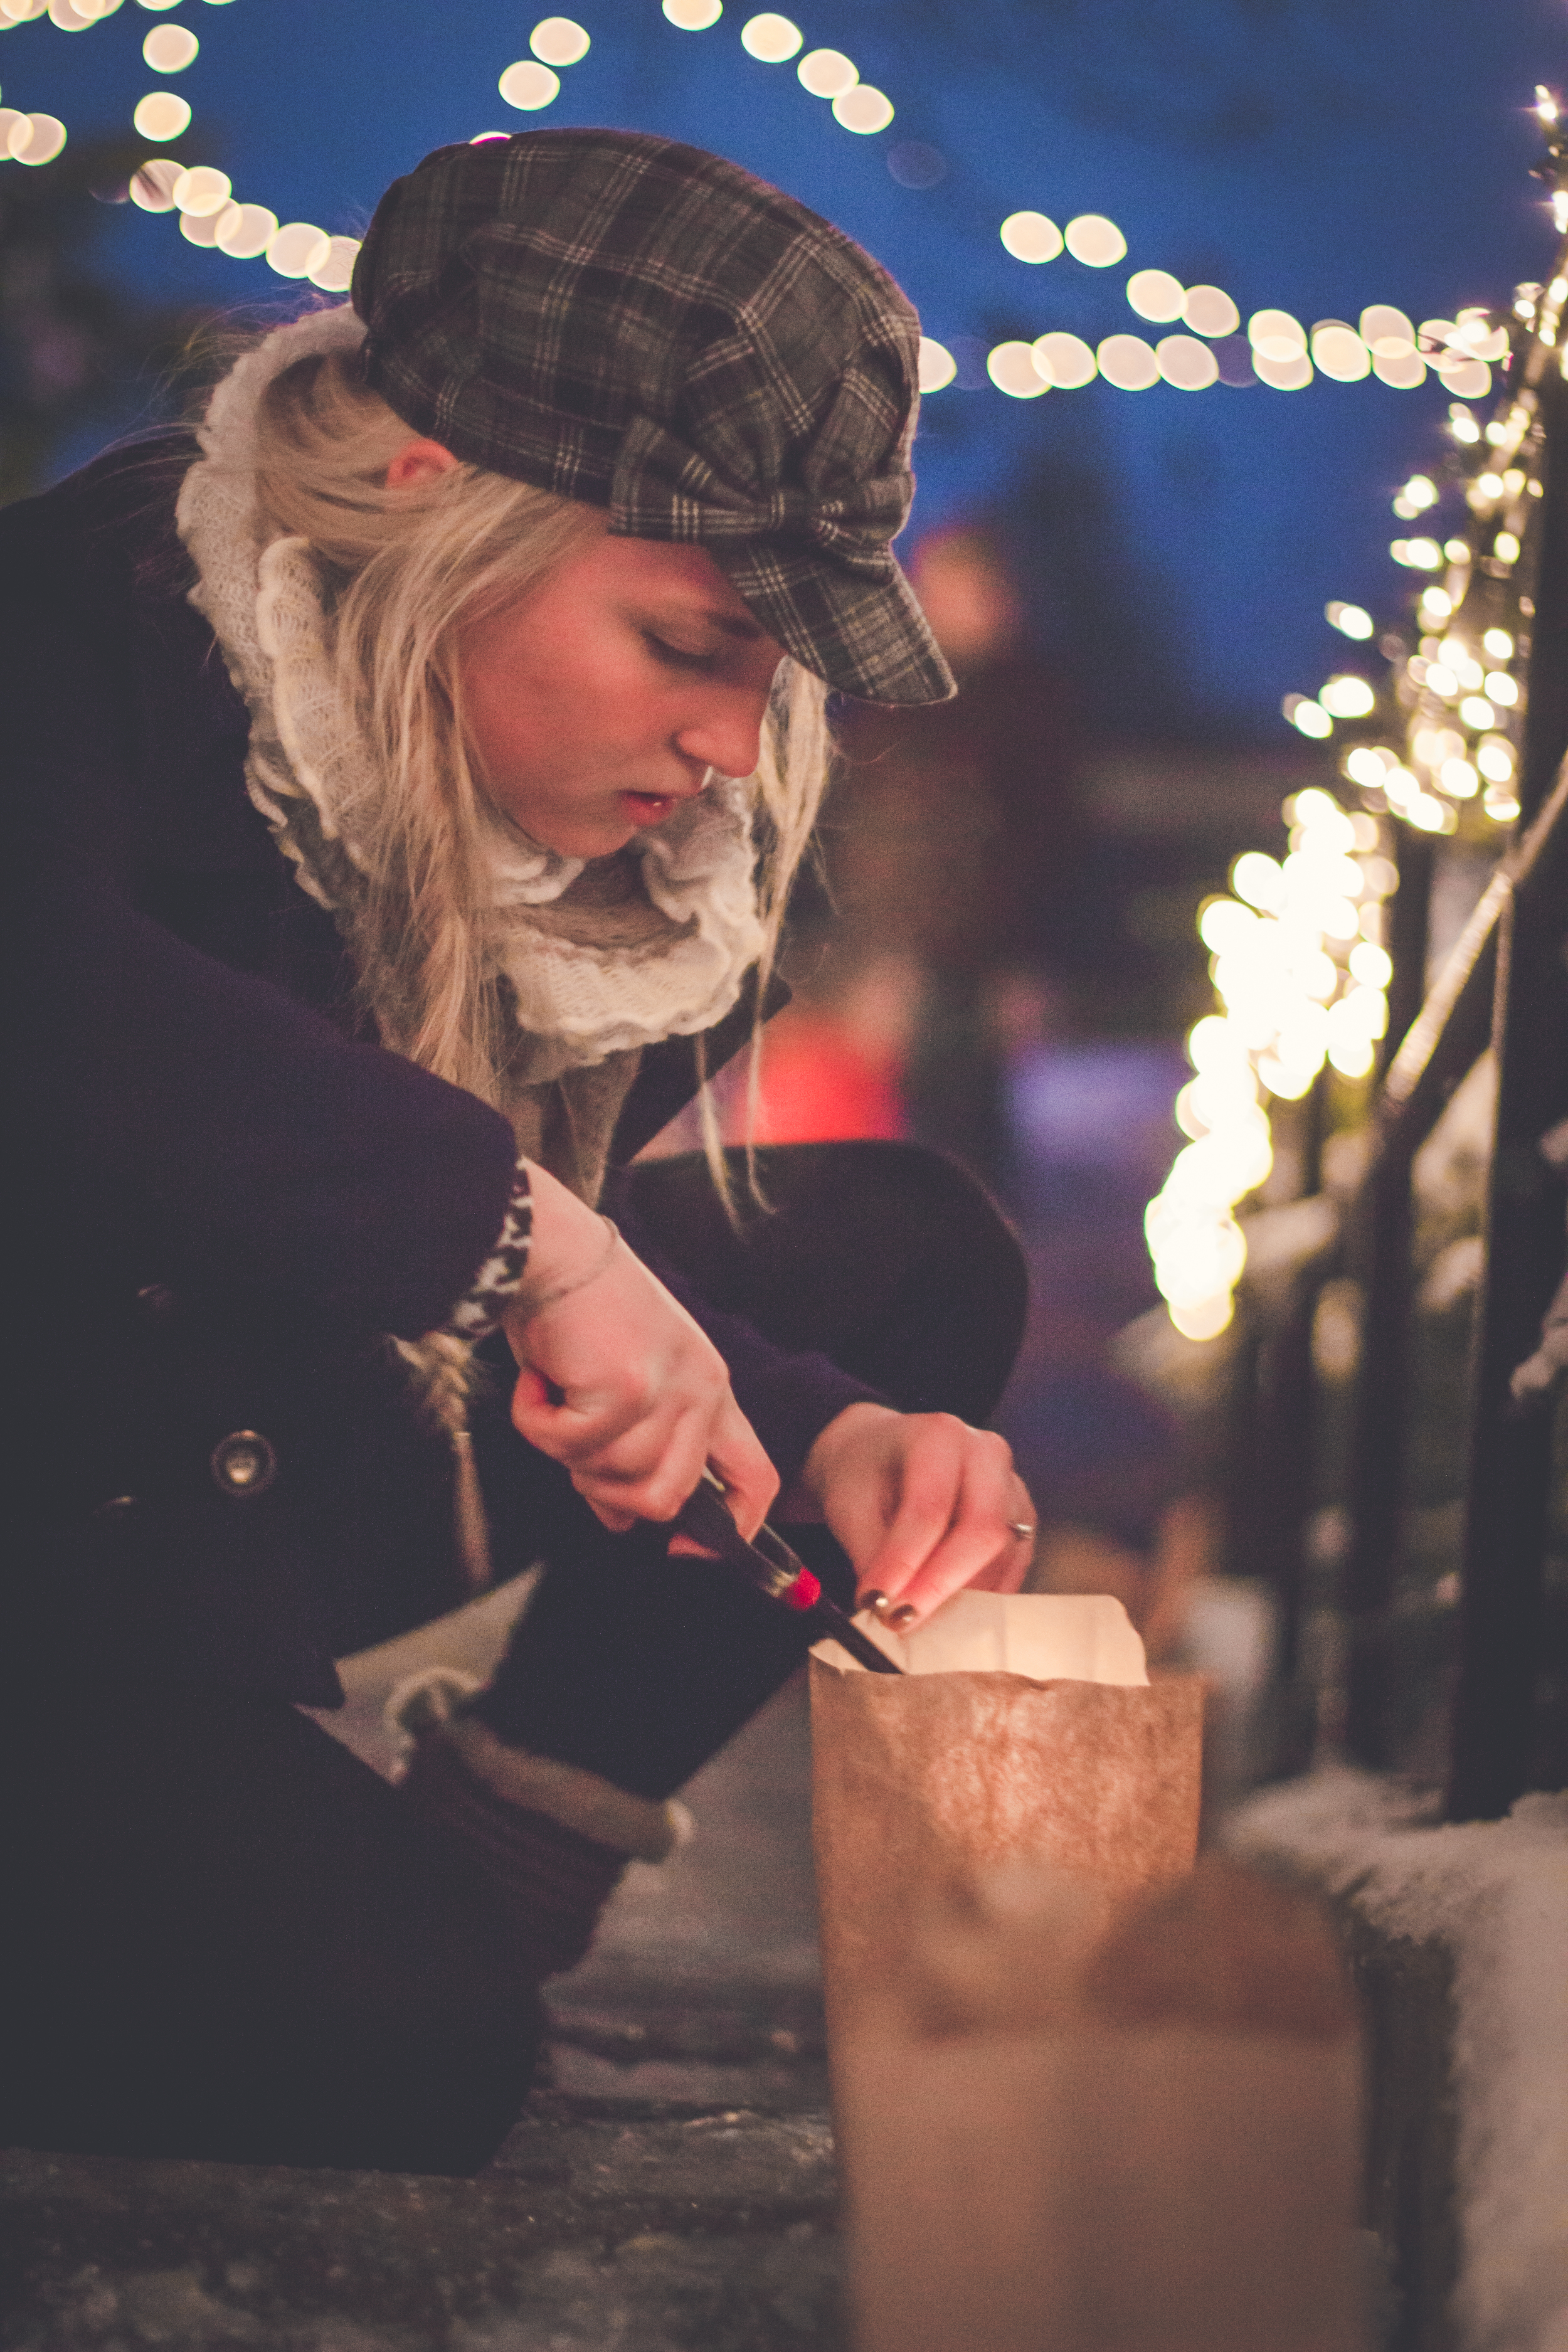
(617, 1382)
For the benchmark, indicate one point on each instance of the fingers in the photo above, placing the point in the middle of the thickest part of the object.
(630, 1465)
(954, 1522)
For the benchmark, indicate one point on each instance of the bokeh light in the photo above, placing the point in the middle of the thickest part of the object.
(1293, 374)
(828, 73)
(937, 365)
(1276, 335)
(247, 234)
(1337, 352)
(1309, 718)
(1011, 368)
(1299, 985)
(1155, 294)
(1064, 360)
(161, 115)
(557, 41)
(202, 228)
(694, 16)
(169, 48)
(1403, 370)
(1186, 363)
(528, 85)
(1468, 379)
(1128, 363)
(1386, 332)
(863, 109)
(1030, 236)
(1347, 696)
(152, 187)
(297, 248)
(1351, 620)
(201, 190)
(915, 165)
(1094, 240)
(1209, 310)
(37, 138)
(334, 273)
(771, 39)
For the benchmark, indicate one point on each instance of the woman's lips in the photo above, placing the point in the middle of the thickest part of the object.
(652, 807)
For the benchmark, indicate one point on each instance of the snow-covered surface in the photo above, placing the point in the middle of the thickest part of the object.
(1496, 1894)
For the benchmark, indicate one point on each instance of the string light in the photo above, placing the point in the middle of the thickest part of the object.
(557, 41)
(528, 85)
(771, 39)
(863, 110)
(1155, 294)
(1065, 361)
(1011, 367)
(169, 48)
(1209, 310)
(1386, 343)
(33, 138)
(161, 116)
(1339, 352)
(1128, 363)
(1299, 959)
(1299, 984)
(1030, 236)
(828, 73)
(1186, 363)
(1095, 241)
(937, 365)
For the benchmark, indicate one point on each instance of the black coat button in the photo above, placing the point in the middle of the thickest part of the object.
(243, 1464)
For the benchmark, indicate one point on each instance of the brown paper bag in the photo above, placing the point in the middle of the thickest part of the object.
(922, 1787)
(1084, 2097)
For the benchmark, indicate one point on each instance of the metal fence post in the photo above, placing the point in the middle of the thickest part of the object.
(1379, 1257)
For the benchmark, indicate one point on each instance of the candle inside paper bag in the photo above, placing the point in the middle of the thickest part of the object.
(1050, 1636)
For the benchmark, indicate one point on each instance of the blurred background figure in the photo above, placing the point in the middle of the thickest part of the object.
(835, 1063)
(954, 839)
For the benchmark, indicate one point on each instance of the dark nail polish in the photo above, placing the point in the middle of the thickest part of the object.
(899, 1619)
(877, 1602)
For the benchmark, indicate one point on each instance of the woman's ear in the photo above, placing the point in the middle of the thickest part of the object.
(418, 461)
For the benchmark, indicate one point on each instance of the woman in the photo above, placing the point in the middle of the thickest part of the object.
(389, 780)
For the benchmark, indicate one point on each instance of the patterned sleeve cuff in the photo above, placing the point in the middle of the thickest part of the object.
(480, 1309)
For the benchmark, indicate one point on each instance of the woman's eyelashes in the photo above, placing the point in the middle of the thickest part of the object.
(678, 656)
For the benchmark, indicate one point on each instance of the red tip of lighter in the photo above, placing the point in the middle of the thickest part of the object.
(804, 1593)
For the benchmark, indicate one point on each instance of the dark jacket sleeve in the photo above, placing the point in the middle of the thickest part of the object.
(265, 1150)
(788, 1397)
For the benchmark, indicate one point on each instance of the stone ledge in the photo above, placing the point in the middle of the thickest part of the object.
(622, 2231)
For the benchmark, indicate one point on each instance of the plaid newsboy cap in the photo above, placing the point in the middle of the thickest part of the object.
(627, 321)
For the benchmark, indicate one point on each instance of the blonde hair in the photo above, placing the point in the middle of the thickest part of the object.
(403, 568)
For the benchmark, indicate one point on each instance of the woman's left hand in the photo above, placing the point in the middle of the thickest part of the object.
(923, 1505)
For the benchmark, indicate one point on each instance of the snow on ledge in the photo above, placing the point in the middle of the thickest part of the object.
(1495, 1893)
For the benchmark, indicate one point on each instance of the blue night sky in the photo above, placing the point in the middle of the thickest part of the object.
(1313, 154)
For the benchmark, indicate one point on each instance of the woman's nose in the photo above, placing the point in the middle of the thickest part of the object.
(726, 733)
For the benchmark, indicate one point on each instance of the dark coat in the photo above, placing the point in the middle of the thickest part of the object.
(225, 1192)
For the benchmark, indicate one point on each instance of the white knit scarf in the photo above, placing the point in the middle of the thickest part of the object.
(580, 996)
